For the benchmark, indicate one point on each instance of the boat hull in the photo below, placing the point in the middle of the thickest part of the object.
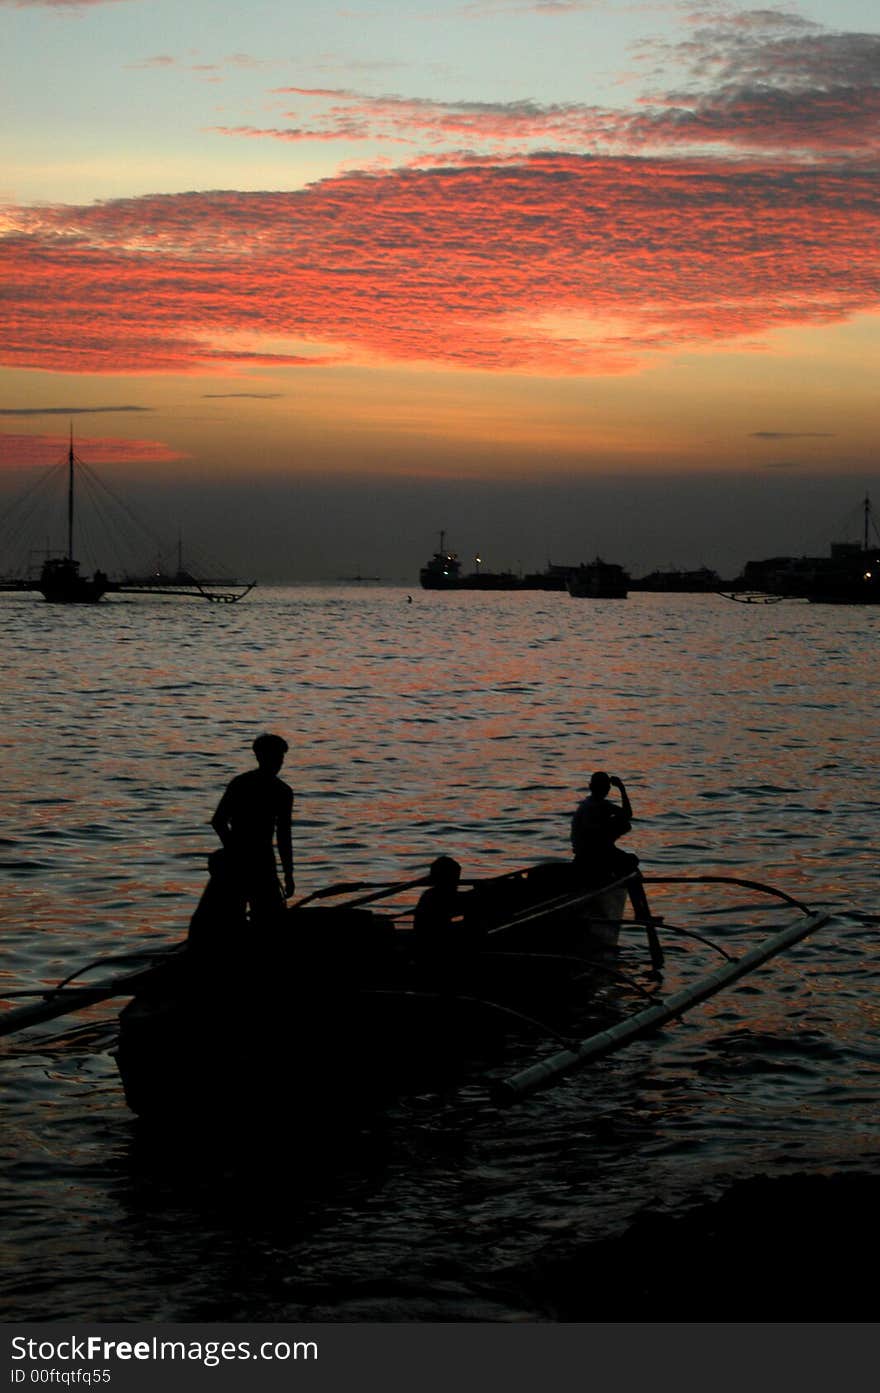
(61, 584)
(341, 1013)
(86, 593)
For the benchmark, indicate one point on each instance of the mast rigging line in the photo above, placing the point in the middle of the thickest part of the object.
(99, 491)
(17, 519)
(107, 532)
(140, 534)
(139, 526)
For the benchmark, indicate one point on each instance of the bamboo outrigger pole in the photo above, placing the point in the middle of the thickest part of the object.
(644, 1022)
(61, 1001)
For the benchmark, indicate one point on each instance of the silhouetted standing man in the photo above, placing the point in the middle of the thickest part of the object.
(253, 816)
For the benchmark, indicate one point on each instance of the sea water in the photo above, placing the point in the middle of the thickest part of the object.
(422, 724)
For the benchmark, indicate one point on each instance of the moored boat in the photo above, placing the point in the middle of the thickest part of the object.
(599, 580)
(347, 1009)
(344, 1010)
(61, 582)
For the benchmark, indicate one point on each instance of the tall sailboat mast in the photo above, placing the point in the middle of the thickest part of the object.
(70, 497)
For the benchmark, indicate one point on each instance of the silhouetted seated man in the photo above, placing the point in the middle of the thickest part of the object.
(595, 827)
(252, 816)
(441, 939)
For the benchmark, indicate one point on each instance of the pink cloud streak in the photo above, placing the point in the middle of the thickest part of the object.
(819, 118)
(21, 451)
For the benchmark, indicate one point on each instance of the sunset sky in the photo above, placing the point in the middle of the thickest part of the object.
(559, 276)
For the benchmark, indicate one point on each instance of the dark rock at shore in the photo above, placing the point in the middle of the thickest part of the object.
(794, 1248)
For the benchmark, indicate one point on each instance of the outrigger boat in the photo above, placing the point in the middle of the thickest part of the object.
(751, 597)
(60, 580)
(343, 1013)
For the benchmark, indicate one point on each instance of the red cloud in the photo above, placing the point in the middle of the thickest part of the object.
(554, 263)
(23, 451)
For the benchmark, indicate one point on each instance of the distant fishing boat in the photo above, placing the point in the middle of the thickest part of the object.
(183, 582)
(600, 580)
(751, 597)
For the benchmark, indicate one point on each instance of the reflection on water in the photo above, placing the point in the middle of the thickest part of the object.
(462, 724)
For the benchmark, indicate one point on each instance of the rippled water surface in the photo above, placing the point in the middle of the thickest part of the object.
(463, 724)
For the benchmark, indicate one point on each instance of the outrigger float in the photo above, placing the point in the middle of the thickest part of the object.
(342, 1013)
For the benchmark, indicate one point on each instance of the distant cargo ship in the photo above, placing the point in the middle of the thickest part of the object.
(443, 572)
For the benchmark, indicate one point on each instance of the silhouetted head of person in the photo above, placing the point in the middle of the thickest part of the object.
(600, 784)
(270, 751)
(445, 872)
